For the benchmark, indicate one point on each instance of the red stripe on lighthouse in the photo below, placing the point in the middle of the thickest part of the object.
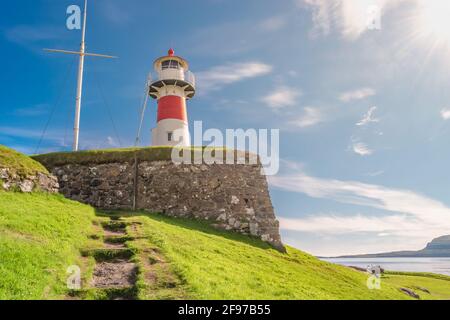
(172, 107)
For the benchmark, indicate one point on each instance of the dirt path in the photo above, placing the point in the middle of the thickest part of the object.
(124, 255)
(115, 274)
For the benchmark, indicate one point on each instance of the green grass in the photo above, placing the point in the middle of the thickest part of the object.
(437, 285)
(40, 237)
(219, 265)
(123, 155)
(419, 274)
(19, 163)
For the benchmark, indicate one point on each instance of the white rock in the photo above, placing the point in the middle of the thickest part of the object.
(4, 173)
(26, 186)
(254, 229)
(222, 217)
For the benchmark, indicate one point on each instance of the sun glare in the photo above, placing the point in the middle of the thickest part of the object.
(434, 21)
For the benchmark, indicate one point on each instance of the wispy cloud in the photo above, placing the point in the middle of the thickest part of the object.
(358, 94)
(28, 133)
(413, 214)
(361, 149)
(340, 224)
(28, 34)
(368, 117)
(273, 23)
(375, 173)
(348, 17)
(445, 114)
(235, 37)
(33, 111)
(57, 139)
(220, 76)
(282, 97)
(311, 117)
(322, 14)
(112, 142)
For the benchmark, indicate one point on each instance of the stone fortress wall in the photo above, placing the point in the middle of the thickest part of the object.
(230, 196)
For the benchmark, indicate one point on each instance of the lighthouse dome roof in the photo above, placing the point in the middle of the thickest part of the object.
(171, 56)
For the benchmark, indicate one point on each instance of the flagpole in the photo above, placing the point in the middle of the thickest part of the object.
(82, 53)
(76, 128)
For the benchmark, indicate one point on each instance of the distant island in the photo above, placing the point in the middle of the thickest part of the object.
(437, 248)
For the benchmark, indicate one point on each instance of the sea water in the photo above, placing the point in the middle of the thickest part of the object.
(434, 265)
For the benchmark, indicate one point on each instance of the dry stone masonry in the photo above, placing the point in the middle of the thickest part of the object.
(11, 181)
(231, 197)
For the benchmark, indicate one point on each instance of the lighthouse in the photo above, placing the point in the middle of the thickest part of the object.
(173, 86)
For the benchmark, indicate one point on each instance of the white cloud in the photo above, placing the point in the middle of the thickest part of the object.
(112, 142)
(282, 97)
(348, 17)
(445, 114)
(362, 149)
(368, 118)
(415, 215)
(322, 14)
(311, 117)
(335, 235)
(358, 94)
(219, 76)
(339, 224)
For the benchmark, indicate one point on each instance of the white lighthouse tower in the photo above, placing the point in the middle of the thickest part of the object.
(174, 85)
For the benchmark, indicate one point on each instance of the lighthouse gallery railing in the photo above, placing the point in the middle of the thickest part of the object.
(173, 74)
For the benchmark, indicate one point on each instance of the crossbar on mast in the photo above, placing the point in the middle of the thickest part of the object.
(82, 53)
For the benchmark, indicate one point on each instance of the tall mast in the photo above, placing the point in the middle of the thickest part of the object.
(76, 127)
(82, 53)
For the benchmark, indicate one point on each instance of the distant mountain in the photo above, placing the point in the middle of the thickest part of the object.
(439, 247)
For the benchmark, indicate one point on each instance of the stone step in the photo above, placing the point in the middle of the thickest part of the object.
(106, 254)
(118, 273)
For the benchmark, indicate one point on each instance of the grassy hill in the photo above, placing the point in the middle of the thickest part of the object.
(19, 163)
(42, 235)
(219, 265)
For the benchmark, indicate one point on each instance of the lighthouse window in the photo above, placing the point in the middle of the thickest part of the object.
(170, 64)
(170, 136)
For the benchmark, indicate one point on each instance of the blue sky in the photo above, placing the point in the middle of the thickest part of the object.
(364, 114)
